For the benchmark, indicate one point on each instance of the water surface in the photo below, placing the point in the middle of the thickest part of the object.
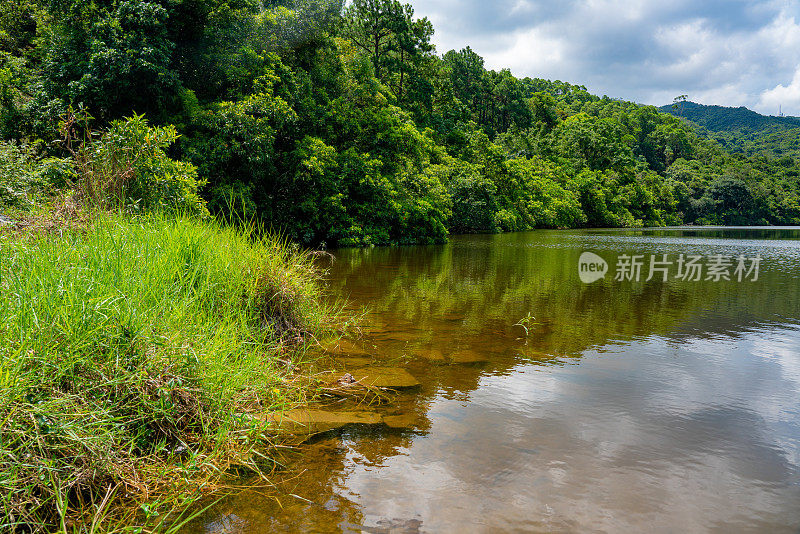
(626, 407)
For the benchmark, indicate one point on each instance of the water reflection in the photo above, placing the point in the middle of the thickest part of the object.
(627, 407)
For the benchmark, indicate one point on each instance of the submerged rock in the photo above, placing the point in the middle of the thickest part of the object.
(310, 421)
(433, 355)
(407, 420)
(468, 356)
(382, 377)
(303, 421)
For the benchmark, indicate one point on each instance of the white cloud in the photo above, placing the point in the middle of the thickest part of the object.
(531, 51)
(782, 96)
(727, 52)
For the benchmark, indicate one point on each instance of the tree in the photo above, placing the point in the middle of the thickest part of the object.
(410, 50)
(371, 26)
(115, 58)
(678, 103)
(466, 72)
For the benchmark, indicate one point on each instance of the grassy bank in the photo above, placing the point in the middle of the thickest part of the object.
(130, 353)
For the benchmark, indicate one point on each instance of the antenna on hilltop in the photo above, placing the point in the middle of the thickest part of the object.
(780, 111)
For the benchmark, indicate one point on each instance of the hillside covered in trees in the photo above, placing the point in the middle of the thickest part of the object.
(726, 119)
(344, 126)
(742, 131)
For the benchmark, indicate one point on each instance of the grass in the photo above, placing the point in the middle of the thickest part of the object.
(133, 353)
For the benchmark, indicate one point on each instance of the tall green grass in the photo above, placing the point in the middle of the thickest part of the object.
(130, 356)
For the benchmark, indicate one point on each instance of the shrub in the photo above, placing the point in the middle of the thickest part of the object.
(24, 179)
(127, 166)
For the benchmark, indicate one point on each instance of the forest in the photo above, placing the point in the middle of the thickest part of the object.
(742, 131)
(342, 125)
(726, 119)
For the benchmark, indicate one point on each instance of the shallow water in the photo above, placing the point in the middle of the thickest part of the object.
(627, 407)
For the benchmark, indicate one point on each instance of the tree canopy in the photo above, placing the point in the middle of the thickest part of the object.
(344, 126)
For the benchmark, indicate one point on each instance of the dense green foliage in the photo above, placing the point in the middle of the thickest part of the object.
(774, 143)
(27, 179)
(722, 119)
(741, 131)
(341, 125)
(127, 167)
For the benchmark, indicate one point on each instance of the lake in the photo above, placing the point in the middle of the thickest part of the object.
(551, 405)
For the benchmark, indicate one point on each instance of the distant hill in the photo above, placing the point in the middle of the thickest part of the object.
(743, 131)
(722, 119)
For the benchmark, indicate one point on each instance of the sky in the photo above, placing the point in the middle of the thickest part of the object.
(724, 52)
